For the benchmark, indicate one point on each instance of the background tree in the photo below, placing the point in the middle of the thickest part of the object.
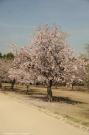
(19, 72)
(77, 71)
(0, 55)
(85, 56)
(5, 65)
(8, 56)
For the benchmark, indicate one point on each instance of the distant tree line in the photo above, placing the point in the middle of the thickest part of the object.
(7, 56)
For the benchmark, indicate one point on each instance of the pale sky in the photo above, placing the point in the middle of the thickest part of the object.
(20, 18)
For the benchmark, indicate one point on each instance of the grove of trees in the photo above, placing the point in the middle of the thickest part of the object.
(49, 59)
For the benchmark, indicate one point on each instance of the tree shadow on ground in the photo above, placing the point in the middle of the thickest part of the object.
(43, 97)
(57, 99)
(66, 100)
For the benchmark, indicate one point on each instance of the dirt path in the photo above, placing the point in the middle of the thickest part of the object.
(19, 118)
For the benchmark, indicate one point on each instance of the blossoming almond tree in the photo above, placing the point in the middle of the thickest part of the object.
(21, 71)
(76, 71)
(50, 55)
(48, 59)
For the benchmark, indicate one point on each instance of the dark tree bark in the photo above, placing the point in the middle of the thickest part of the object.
(28, 89)
(12, 84)
(49, 90)
(0, 84)
(72, 86)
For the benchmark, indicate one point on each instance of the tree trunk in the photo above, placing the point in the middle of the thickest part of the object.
(49, 90)
(0, 84)
(27, 89)
(12, 84)
(72, 86)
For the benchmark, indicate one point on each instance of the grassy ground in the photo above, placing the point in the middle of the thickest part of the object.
(73, 105)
